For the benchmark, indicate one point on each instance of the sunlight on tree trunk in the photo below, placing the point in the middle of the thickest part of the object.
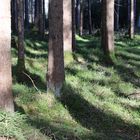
(6, 98)
(55, 76)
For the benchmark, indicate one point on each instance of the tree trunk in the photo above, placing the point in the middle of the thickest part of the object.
(41, 19)
(27, 14)
(77, 15)
(67, 24)
(73, 26)
(117, 15)
(89, 17)
(37, 14)
(132, 14)
(6, 98)
(108, 28)
(14, 16)
(21, 59)
(55, 76)
(81, 18)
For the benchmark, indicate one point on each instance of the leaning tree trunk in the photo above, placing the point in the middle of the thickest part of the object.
(6, 98)
(108, 29)
(67, 24)
(55, 76)
(21, 59)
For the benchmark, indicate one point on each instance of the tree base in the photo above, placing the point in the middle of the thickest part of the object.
(54, 88)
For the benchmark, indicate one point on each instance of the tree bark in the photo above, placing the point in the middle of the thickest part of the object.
(14, 16)
(27, 14)
(77, 15)
(55, 76)
(67, 25)
(73, 27)
(117, 15)
(132, 18)
(41, 19)
(6, 98)
(21, 59)
(89, 17)
(108, 28)
(81, 17)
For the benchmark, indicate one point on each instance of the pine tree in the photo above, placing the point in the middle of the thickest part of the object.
(55, 76)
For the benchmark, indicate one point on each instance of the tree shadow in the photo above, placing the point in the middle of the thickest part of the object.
(34, 78)
(94, 118)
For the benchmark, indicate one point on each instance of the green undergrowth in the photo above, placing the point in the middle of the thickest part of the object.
(99, 102)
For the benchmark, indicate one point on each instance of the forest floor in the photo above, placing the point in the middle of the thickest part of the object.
(99, 102)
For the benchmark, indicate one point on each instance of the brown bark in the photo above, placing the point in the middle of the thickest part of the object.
(73, 27)
(108, 28)
(21, 59)
(132, 19)
(55, 76)
(6, 98)
(81, 17)
(67, 24)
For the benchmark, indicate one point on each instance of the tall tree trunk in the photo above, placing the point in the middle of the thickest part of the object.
(73, 26)
(81, 17)
(27, 14)
(77, 15)
(21, 59)
(132, 18)
(14, 16)
(117, 15)
(67, 24)
(41, 19)
(37, 14)
(44, 17)
(55, 76)
(108, 28)
(6, 98)
(89, 17)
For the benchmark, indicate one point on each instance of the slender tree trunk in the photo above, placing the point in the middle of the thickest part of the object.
(117, 15)
(132, 18)
(89, 17)
(73, 26)
(37, 7)
(77, 15)
(108, 28)
(21, 59)
(32, 11)
(44, 17)
(27, 14)
(81, 18)
(67, 24)
(55, 76)
(14, 15)
(6, 98)
(41, 19)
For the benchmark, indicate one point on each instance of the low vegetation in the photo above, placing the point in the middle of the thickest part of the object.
(98, 101)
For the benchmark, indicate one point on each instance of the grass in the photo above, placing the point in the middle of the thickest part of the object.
(99, 102)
